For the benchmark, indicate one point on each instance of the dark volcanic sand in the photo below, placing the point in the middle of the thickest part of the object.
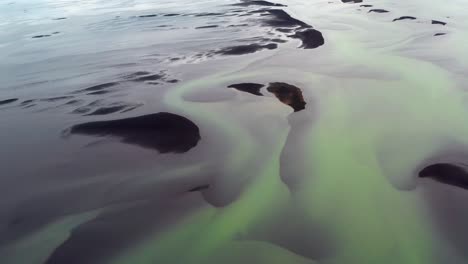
(98, 87)
(211, 26)
(351, 1)
(7, 101)
(279, 18)
(436, 22)
(145, 16)
(164, 132)
(451, 174)
(253, 88)
(320, 164)
(256, 2)
(378, 11)
(404, 18)
(288, 94)
(108, 110)
(41, 36)
(246, 49)
(311, 38)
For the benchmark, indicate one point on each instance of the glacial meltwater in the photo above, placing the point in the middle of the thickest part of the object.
(233, 132)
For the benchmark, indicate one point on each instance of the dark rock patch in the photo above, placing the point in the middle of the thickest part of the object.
(288, 94)
(378, 11)
(311, 38)
(404, 18)
(447, 173)
(246, 49)
(257, 3)
(252, 88)
(211, 26)
(164, 132)
(436, 22)
(8, 101)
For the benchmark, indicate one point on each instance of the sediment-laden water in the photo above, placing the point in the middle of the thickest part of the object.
(290, 131)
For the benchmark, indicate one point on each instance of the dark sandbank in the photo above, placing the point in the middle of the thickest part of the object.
(211, 26)
(100, 107)
(111, 233)
(41, 36)
(74, 102)
(8, 101)
(246, 49)
(288, 94)
(152, 77)
(144, 76)
(447, 173)
(311, 38)
(239, 25)
(208, 14)
(108, 110)
(378, 11)
(99, 92)
(404, 18)
(164, 132)
(439, 34)
(146, 16)
(27, 102)
(200, 188)
(436, 22)
(256, 2)
(279, 18)
(277, 40)
(352, 1)
(55, 99)
(98, 87)
(284, 30)
(252, 88)
(366, 5)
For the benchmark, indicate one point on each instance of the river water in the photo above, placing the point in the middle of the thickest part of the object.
(299, 131)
